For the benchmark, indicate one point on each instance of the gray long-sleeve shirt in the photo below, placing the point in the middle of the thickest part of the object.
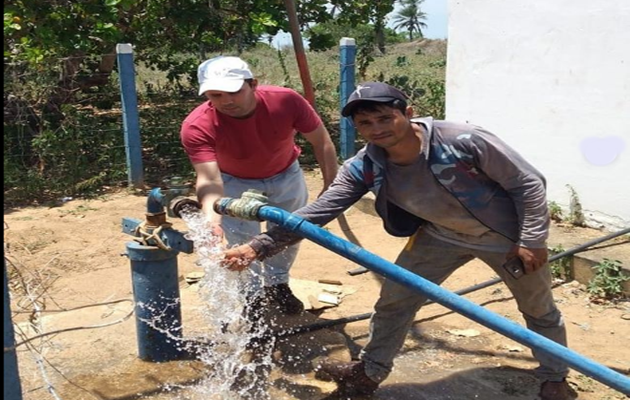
(491, 181)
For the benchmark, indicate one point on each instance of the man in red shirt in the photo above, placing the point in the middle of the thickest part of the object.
(244, 138)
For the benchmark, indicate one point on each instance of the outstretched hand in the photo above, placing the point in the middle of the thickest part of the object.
(239, 258)
(217, 229)
(533, 259)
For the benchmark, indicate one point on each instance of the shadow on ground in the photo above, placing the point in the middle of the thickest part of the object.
(491, 383)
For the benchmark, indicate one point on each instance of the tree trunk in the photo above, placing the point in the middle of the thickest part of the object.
(379, 32)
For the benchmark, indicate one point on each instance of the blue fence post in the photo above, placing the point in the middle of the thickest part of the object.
(131, 121)
(348, 50)
(12, 387)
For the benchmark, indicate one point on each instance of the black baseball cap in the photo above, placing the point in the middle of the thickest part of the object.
(372, 91)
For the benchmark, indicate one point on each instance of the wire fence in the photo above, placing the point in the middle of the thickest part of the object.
(64, 138)
(63, 129)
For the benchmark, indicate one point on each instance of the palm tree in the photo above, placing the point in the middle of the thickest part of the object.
(410, 17)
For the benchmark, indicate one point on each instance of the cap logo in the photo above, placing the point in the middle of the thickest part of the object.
(359, 88)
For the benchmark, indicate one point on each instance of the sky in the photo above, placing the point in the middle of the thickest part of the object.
(437, 23)
(437, 18)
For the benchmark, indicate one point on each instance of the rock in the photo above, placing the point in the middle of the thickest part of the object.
(464, 332)
(194, 277)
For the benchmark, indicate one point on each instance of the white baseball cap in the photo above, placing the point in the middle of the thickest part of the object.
(225, 74)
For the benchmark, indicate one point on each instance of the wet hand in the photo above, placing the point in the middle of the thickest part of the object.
(533, 259)
(239, 258)
(216, 229)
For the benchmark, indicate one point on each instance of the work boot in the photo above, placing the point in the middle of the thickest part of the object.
(284, 299)
(255, 309)
(550, 390)
(350, 377)
(259, 332)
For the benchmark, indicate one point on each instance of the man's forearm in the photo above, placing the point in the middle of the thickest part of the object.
(533, 214)
(338, 198)
(207, 195)
(270, 243)
(326, 157)
(524, 184)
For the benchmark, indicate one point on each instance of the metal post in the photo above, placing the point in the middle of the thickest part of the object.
(348, 51)
(12, 387)
(131, 121)
(157, 302)
(300, 55)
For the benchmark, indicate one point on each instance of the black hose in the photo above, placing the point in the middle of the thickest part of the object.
(359, 317)
(584, 246)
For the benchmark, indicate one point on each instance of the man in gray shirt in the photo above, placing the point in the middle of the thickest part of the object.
(459, 193)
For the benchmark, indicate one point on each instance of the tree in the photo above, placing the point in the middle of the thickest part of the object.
(59, 56)
(411, 17)
(327, 35)
(161, 30)
(168, 35)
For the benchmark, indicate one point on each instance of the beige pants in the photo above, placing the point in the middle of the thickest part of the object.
(286, 190)
(436, 260)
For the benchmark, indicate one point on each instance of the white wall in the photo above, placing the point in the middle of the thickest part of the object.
(552, 78)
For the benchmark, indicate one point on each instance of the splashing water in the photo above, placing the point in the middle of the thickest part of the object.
(238, 352)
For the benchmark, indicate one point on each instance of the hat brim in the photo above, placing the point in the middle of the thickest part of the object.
(347, 110)
(222, 85)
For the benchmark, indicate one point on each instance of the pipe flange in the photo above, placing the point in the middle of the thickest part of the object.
(178, 204)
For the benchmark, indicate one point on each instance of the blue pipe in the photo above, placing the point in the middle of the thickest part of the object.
(347, 62)
(156, 296)
(155, 201)
(11, 382)
(442, 296)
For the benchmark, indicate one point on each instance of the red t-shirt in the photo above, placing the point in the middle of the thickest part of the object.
(257, 147)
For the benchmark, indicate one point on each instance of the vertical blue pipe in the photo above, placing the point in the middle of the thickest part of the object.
(131, 121)
(348, 50)
(155, 201)
(12, 387)
(156, 296)
(442, 296)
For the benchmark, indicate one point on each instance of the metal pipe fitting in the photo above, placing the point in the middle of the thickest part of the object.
(155, 201)
(245, 208)
(175, 187)
(180, 203)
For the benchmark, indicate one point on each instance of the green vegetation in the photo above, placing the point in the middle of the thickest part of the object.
(327, 35)
(79, 210)
(81, 151)
(410, 18)
(560, 268)
(62, 117)
(608, 280)
(576, 216)
(555, 211)
(168, 36)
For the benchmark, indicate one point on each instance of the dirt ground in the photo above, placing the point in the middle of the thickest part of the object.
(69, 256)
